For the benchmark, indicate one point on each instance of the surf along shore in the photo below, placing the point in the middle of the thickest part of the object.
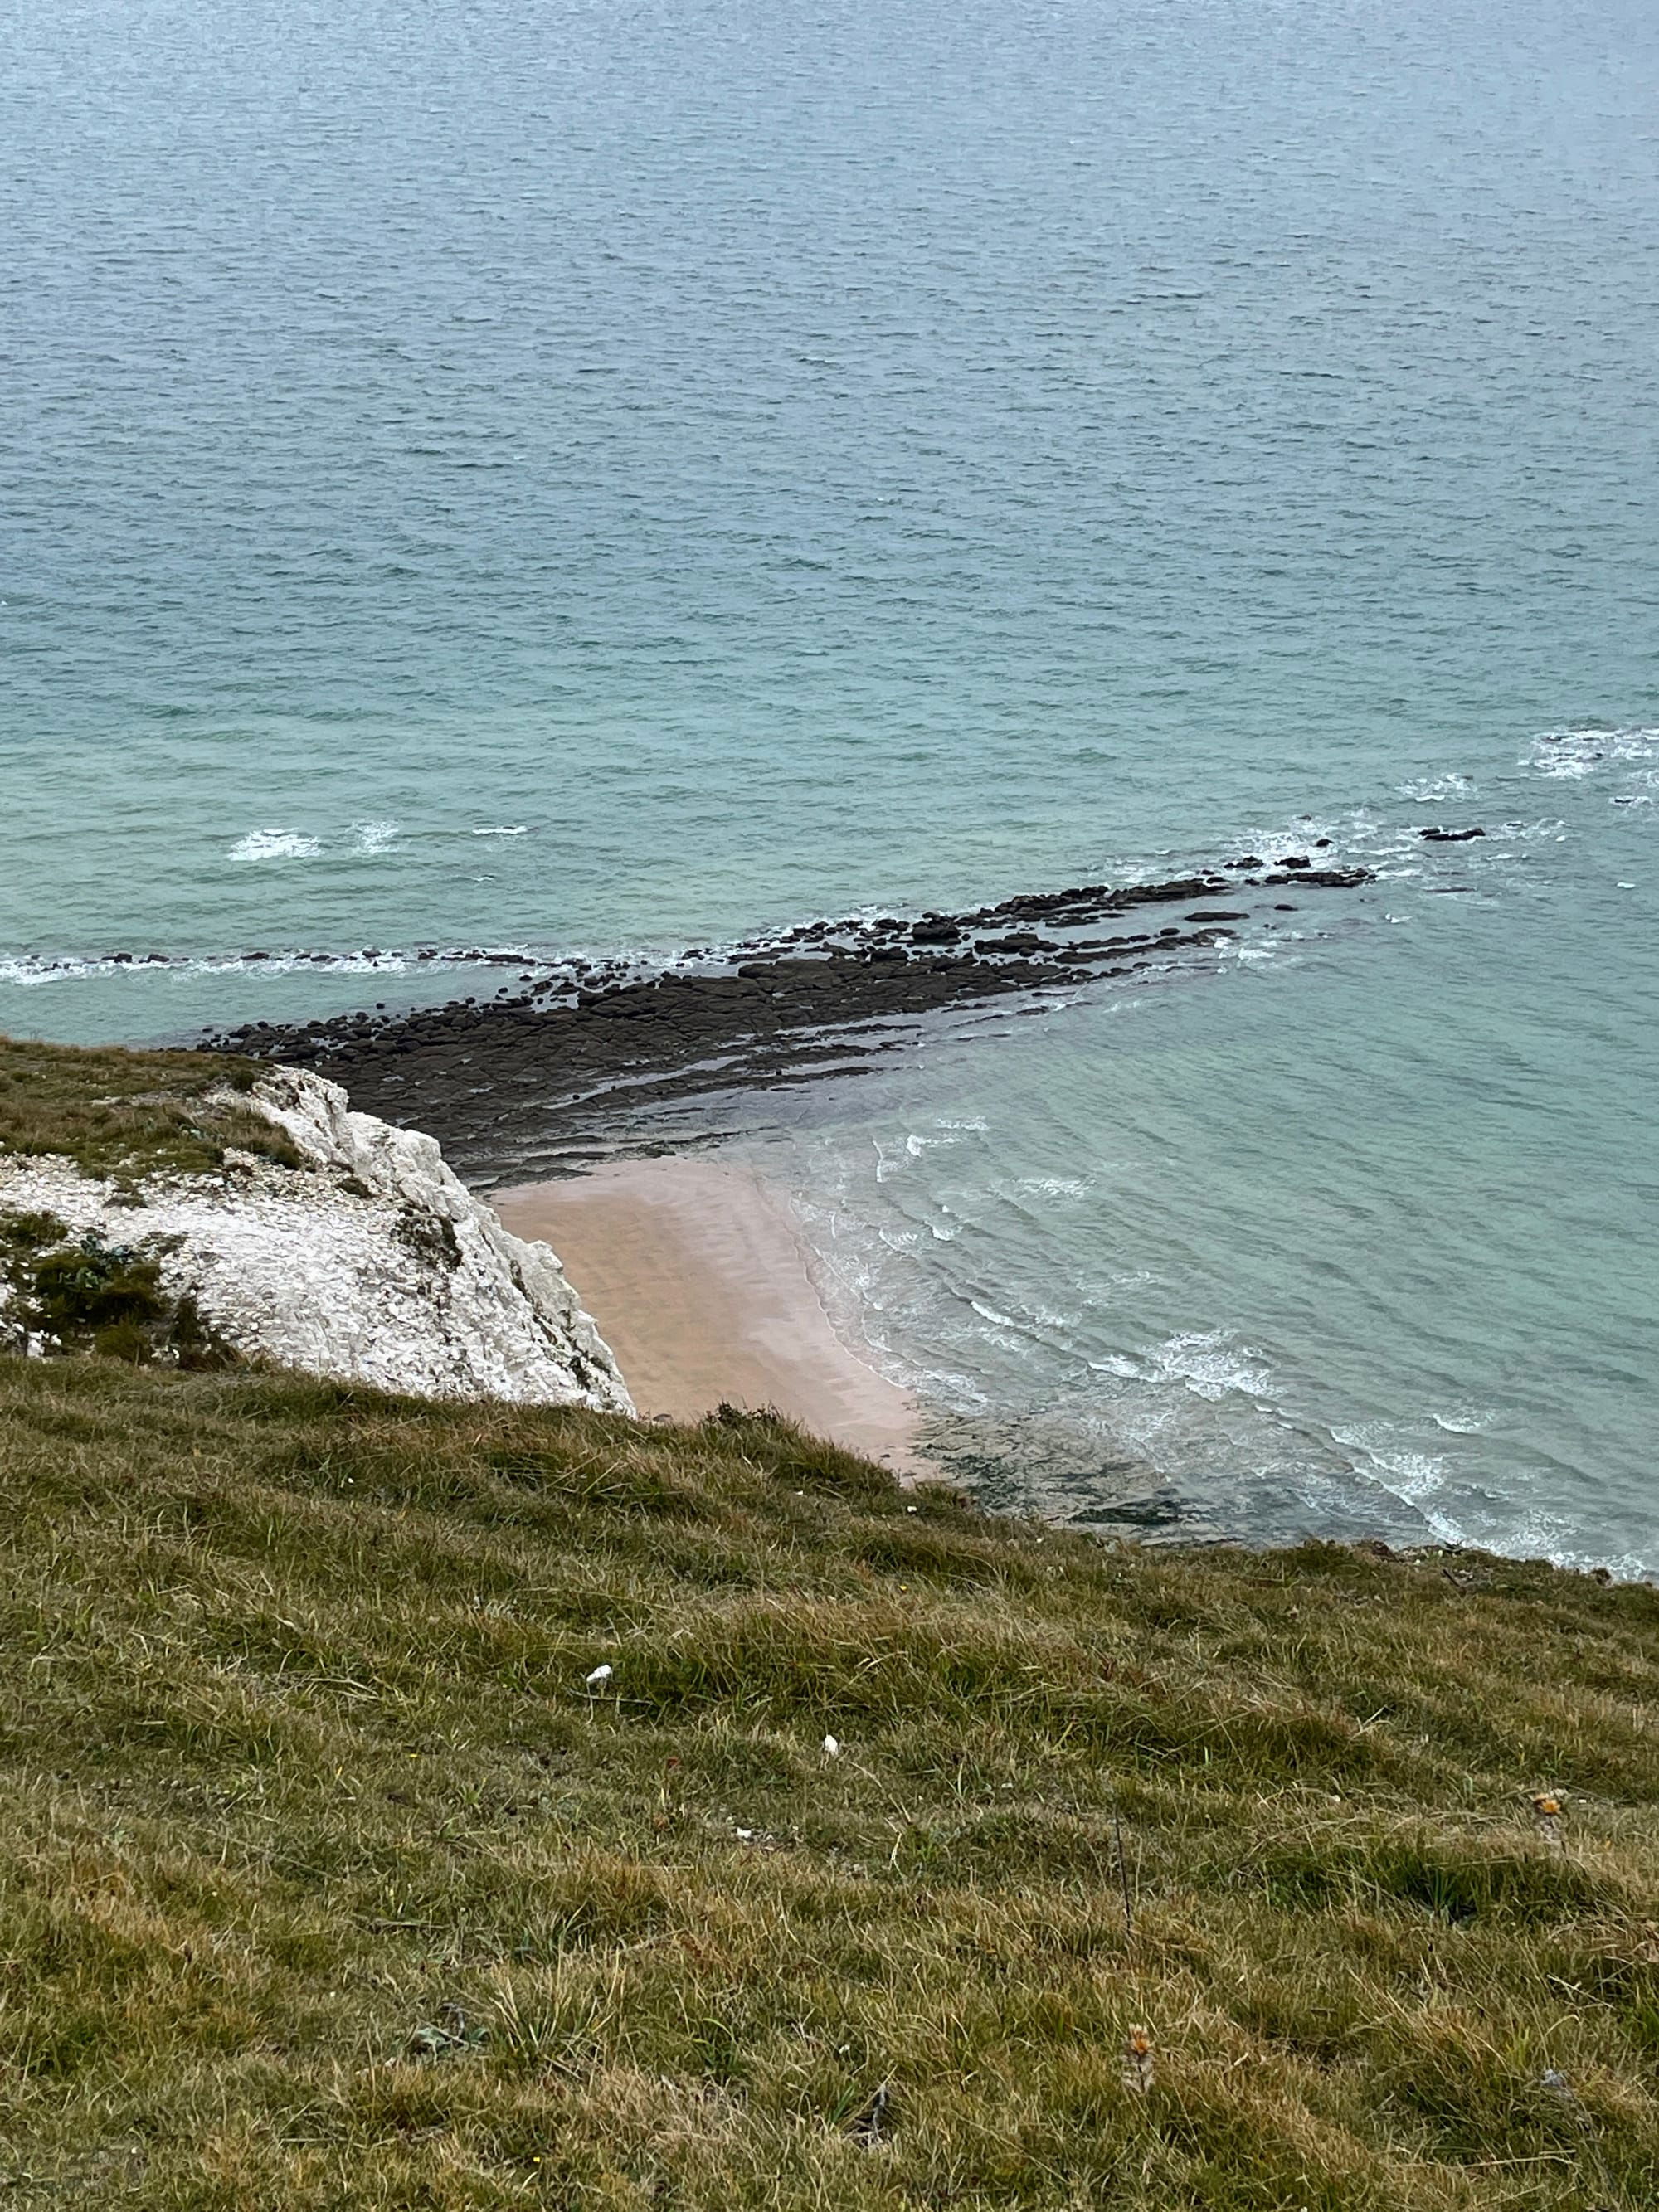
(694, 1268)
(698, 1277)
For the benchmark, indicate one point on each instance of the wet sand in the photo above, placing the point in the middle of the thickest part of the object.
(696, 1272)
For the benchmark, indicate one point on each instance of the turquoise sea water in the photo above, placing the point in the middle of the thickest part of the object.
(562, 476)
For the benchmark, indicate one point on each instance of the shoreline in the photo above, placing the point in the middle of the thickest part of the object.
(698, 1279)
(527, 1081)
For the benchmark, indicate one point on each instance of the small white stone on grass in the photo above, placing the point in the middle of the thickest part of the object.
(831, 1748)
(599, 1678)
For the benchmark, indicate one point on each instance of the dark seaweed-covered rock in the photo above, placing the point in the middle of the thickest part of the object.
(510, 1081)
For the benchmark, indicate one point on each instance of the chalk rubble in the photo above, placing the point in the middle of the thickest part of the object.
(372, 1264)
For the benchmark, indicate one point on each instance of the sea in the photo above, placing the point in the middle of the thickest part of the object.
(544, 474)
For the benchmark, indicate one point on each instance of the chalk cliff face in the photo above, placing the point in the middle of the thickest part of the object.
(372, 1263)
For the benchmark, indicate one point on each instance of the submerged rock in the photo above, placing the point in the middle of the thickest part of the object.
(371, 1262)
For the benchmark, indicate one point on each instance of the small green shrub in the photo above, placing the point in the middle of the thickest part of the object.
(72, 1293)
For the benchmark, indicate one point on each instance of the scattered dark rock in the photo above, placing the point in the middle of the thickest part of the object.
(514, 1080)
(1324, 878)
(1450, 836)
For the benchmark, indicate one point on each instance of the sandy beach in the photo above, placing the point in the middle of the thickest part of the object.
(696, 1272)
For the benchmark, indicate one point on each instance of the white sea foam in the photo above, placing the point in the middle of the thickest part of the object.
(1426, 788)
(1330, 840)
(1574, 754)
(989, 1313)
(514, 830)
(1412, 1475)
(1467, 1421)
(1417, 1479)
(1211, 1362)
(276, 845)
(374, 836)
(31, 970)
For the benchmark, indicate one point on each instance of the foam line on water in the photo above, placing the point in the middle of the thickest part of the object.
(275, 845)
(1573, 754)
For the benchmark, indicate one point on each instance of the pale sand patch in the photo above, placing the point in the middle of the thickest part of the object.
(696, 1272)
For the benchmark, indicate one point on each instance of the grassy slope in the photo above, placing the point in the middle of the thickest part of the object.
(327, 1884)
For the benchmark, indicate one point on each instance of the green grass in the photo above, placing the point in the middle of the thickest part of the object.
(130, 1114)
(326, 1883)
(70, 1293)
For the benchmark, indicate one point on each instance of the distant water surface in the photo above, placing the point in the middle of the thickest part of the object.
(563, 476)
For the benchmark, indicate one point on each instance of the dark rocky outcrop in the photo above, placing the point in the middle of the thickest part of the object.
(506, 1082)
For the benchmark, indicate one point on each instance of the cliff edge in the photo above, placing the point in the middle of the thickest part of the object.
(260, 1216)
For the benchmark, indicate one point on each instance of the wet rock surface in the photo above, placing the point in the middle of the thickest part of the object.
(503, 1082)
(1077, 1464)
(1055, 1470)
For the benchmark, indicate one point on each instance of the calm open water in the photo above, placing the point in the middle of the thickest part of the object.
(564, 474)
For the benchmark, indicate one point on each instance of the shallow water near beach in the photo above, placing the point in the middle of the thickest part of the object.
(558, 478)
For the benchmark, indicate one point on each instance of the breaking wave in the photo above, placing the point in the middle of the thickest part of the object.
(276, 845)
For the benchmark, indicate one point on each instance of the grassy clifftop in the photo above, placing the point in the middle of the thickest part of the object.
(131, 1114)
(328, 1881)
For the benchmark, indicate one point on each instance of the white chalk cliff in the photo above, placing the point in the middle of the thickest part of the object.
(373, 1263)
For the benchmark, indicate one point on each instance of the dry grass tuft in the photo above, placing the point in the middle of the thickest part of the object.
(335, 1872)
